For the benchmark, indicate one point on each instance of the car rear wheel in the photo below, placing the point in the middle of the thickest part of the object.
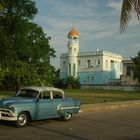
(67, 116)
(22, 119)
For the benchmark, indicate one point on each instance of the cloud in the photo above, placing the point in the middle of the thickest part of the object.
(104, 34)
(96, 20)
(115, 5)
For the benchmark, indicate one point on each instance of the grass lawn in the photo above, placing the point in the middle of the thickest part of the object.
(91, 96)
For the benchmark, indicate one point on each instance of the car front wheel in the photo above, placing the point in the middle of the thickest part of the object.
(67, 116)
(22, 119)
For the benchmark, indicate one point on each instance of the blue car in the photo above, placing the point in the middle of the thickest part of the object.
(37, 103)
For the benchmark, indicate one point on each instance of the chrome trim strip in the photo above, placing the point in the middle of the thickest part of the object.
(71, 107)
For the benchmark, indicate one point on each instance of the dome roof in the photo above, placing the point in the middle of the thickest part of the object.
(73, 32)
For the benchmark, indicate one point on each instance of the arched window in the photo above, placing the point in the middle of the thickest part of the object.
(69, 69)
(74, 69)
(79, 62)
(74, 49)
(88, 63)
(75, 38)
(64, 64)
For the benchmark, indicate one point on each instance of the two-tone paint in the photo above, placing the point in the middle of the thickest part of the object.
(18, 108)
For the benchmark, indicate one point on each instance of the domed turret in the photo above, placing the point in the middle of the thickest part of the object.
(73, 49)
(73, 32)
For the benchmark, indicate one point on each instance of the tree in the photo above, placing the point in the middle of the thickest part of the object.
(136, 67)
(1, 4)
(129, 7)
(26, 53)
(14, 20)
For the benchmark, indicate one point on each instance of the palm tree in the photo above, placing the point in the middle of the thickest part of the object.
(129, 7)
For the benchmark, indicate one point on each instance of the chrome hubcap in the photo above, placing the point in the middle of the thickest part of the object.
(22, 119)
(68, 116)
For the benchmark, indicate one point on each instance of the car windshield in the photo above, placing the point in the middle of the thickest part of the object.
(26, 93)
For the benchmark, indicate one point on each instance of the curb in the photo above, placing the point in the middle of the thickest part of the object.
(108, 106)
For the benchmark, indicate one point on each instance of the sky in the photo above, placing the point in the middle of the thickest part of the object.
(97, 21)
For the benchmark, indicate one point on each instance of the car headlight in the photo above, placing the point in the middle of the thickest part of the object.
(12, 108)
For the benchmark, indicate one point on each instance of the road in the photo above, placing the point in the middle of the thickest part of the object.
(118, 124)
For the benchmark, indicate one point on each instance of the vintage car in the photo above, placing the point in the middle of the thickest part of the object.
(37, 103)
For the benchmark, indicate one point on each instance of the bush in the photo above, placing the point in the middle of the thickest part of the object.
(69, 82)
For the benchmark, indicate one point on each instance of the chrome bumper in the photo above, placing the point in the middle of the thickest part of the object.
(7, 115)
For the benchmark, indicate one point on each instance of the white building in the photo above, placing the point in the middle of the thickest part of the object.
(97, 67)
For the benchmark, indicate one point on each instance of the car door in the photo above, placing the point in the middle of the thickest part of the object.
(58, 101)
(45, 105)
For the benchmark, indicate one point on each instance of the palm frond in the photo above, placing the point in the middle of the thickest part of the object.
(127, 9)
(137, 8)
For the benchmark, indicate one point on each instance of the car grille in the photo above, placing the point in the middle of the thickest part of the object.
(5, 112)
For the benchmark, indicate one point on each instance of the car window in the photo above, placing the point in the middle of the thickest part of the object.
(26, 93)
(46, 95)
(57, 95)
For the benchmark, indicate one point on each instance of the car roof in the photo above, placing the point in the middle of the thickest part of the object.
(40, 89)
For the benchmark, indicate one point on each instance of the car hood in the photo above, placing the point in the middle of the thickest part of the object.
(14, 100)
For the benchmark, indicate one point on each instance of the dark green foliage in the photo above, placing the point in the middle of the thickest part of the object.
(69, 82)
(72, 82)
(25, 50)
(136, 67)
(1, 4)
(60, 83)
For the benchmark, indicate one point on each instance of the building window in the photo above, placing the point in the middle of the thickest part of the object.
(98, 62)
(88, 63)
(75, 38)
(128, 71)
(92, 78)
(88, 79)
(64, 65)
(79, 62)
(70, 49)
(74, 69)
(69, 69)
(112, 65)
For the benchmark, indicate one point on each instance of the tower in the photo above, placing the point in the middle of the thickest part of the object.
(73, 49)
